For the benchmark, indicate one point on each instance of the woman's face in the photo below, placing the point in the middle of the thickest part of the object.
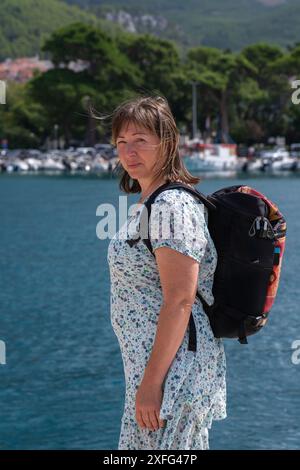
(138, 151)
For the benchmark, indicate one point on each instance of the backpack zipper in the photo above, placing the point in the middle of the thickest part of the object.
(263, 227)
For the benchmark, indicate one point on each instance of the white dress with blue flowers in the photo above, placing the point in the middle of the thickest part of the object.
(194, 389)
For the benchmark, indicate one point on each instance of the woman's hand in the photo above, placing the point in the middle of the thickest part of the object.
(147, 406)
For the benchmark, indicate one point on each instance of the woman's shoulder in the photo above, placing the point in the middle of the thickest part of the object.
(179, 197)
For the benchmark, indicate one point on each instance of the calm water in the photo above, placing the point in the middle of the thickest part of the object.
(62, 386)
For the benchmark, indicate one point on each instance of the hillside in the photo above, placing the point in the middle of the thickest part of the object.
(24, 24)
(221, 23)
(233, 24)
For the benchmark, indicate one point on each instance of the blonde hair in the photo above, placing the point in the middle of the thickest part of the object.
(152, 113)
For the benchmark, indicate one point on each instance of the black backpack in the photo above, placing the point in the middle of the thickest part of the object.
(248, 232)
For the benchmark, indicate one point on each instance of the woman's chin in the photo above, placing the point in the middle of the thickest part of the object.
(134, 169)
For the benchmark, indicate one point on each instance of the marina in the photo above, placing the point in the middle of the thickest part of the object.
(197, 157)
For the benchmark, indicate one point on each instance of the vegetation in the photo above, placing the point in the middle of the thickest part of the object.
(230, 24)
(246, 95)
(25, 24)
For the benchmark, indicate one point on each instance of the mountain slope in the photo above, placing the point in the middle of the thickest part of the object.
(221, 23)
(24, 24)
(233, 24)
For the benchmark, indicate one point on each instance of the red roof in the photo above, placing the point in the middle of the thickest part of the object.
(22, 69)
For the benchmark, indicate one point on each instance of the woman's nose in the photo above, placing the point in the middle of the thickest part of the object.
(129, 147)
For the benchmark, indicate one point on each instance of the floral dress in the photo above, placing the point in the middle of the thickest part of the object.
(194, 389)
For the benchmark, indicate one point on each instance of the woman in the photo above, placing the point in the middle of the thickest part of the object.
(172, 393)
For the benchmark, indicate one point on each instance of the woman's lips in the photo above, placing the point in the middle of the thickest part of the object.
(133, 165)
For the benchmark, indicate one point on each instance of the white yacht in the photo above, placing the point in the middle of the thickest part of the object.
(210, 157)
(278, 159)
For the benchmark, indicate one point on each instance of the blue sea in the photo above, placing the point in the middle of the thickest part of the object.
(62, 382)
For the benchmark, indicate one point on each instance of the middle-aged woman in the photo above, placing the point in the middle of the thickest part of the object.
(172, 394)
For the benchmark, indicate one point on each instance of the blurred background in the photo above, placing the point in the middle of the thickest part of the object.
(231, 73)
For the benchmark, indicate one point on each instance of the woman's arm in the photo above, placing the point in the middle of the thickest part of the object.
(179, 279)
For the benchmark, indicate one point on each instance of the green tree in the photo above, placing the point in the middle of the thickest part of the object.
(157, 60)
(287, 68)
(219, 74)
(59, 91)
(22, 120)
(98, 52)
(105, 77)
(264, 96)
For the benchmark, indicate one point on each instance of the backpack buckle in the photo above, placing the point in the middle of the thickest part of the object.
(132, 241)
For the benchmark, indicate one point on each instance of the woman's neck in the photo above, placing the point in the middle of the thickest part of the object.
(150, 189)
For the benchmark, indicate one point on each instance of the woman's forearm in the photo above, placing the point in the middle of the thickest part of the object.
(172, 324)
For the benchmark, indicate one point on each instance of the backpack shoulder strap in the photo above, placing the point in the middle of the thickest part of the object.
(178, 185)
(153, 196)
(167, 187)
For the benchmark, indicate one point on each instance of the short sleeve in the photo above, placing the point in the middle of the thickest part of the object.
(177, 221)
